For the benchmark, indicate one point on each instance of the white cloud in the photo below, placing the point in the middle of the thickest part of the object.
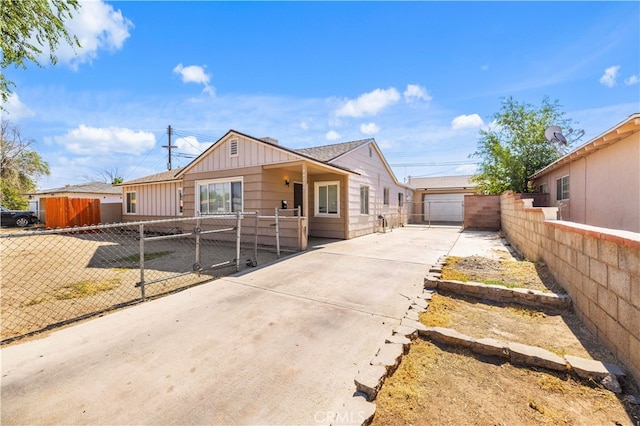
(98, 27)
(369, 103)
(16, 109)
(195, 74)
(369, 128)
(610, 75)
(632, 80)
(472, 121)
(415, 92)
(332, 135)
(190, 145)
(105, 140)
(303, 125)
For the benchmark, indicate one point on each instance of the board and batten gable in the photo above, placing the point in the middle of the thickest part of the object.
(240, 157)
(153, 201)
(372, 171)
(247, 153)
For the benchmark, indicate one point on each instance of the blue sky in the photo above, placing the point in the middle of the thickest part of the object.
(422, 78)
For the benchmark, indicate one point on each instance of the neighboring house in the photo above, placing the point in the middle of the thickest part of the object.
(110, 197)
(598, 183)
(440, 198)
(342, 189)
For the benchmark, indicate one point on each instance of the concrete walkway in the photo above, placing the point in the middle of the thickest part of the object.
(280, 344)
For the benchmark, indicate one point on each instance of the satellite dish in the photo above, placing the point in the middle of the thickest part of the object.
(554, 135)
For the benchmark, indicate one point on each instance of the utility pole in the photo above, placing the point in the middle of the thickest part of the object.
(169, 146)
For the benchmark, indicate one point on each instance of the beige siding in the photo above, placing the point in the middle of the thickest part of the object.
(157, 200)
(373, 173)
(328, 227)
(250, 154)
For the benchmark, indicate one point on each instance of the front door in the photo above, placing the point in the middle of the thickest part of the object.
(297, 196)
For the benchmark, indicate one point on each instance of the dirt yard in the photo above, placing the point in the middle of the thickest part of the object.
(53, 278)
(447, 385)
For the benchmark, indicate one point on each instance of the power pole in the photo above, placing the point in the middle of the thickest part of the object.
(169, 146)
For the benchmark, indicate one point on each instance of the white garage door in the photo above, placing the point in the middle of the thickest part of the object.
(443, 207)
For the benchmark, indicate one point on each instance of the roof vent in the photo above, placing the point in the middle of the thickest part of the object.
(270, 140)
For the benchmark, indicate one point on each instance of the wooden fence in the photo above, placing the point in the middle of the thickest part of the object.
(65, 212)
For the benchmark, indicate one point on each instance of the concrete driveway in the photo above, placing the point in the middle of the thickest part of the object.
(280, 344)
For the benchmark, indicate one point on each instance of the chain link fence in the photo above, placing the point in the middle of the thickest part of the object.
(53, 277)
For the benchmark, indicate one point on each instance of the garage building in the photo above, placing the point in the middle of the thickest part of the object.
(440, 199)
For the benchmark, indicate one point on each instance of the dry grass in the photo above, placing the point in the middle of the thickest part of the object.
(451, 386)
(447, 386)
(507, 273)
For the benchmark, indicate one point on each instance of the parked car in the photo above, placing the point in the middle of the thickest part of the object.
(19, 218)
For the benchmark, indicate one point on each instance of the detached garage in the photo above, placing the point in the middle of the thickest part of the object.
(440, 199)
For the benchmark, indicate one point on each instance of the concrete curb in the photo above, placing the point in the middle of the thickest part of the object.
(531, 356)
(498, 293)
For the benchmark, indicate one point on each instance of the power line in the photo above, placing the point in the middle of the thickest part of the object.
(435, 164)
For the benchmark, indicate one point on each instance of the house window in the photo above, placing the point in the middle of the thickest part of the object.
(219, 196)
(327, 197)
(131, 202)
(179, 199)
(370, 151)
(562, 188)
(385, 196)
(400, 199)
(543, 189)
(233, 148)
(364, 199)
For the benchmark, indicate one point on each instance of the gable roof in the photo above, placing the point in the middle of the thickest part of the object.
(328, 153)
(166, 176)
(442, 182)
(618, 132)
(83, 188)
(265, 141)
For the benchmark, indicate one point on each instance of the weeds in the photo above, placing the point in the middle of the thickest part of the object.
(86, 288)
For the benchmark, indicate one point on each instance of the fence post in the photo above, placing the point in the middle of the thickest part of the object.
(142, 291)
(196, 230)
(238, 235)
(277, 235)
(299, 229)
(255, 243)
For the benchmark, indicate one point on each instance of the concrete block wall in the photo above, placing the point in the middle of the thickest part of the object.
(482, 212)
(598, 267)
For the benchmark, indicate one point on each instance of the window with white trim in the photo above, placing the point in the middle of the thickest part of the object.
(400, 199)
(385, 196)
(131, 202)
(219, 196)
(180, 206)
(364, 199)
(233, 148)
(562, 188)
(327, 198)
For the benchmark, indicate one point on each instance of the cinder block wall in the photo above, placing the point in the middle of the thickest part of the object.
(598, 267)
(482, 212)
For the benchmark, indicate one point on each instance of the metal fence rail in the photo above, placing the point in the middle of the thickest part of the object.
(49, 278)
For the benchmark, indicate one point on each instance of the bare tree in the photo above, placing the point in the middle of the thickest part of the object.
(20, 166)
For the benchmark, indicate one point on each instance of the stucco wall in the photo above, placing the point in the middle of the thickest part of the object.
(598, 267)
(604, 186)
